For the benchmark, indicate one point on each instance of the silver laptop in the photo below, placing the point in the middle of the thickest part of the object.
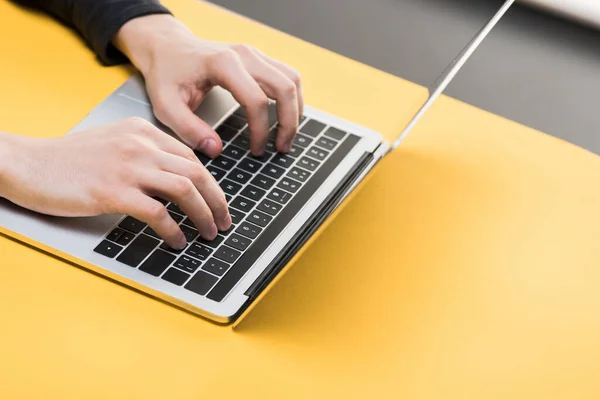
(276, 203)
(583, 11)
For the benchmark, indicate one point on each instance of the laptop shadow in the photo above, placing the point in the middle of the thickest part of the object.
(366, 281)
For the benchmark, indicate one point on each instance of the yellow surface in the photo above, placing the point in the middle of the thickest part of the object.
(467, 267)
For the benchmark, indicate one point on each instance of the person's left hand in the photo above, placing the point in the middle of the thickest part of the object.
(180, 69)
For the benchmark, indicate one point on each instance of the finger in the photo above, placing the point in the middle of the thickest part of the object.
(180, 190)
(171, 109)
(154, 213)
(160, 139)
(229, 72)
(204, 182)
(292, 74)
(279, 87)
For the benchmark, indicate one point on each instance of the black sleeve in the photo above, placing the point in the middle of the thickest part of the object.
(98, 20)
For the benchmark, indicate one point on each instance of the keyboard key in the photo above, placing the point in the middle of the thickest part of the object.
(218, 173)
(163, 201)
(270, 207)
(168, 248)
(312, 128)
(326, 143)
(303, 141)
(226, 133)
(241, 113)
(228, 231)
(216, 267)
(223, 162)
(175, 276)
(308, 163)
(212, 243)
(250, 165)
(317, 153)
(282, 160)
(198, 251)
(270, 147)
(302, 119)
(230, 187)
(227, 254)
(189, 233)
(201, 283)
(248, 230)
(238, 242)
(132, 225)
(150, 231)
(235, 122)
(242, 204)
(272, 113)
(279, 196)
(253, 193)
(187, 264)
(203, 159)
(176, 217)
(242, 141)
(157, 263)
(126, 238)
(264, 158)
(115, 235)
(188, 222)
(295, 151)
(108, 249)
(299, 174)
(234, 152)
(289, 184)
(259, 218)
(263, 182)
(239, 176)
(138, 250)
(273, 171)
(236, 216)
(228, 198)
(175, 208)
(335, 133)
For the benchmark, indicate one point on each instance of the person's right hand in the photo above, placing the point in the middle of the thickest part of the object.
(114, 169)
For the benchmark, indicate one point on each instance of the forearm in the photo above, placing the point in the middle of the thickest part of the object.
(6, 153)
(98, 20)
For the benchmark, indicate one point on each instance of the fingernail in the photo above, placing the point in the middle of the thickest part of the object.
(226, 222)
(209, 146)
(181, 242)
(212, 232)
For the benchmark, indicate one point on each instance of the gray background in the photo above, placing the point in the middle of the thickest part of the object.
(534, 68)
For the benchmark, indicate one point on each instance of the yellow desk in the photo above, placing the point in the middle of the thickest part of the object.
(467, 267)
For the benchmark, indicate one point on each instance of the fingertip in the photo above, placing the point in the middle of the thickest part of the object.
(210, 147)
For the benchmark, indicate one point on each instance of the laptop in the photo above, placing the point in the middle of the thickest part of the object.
(276, 203)
(583, 11)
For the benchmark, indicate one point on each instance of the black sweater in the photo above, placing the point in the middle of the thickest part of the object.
(98, 20)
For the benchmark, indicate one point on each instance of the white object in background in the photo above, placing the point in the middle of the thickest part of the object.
(584, 11)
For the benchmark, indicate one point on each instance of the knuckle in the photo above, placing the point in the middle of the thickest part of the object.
(289, 89)
(199, 174)
(183, 187)
(130, 146)
(295, 76)
(228, 55)
(242, 48)
(138, 124)
(155, 212)
(260, 102)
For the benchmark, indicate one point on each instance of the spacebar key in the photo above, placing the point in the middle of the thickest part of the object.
(138, 250)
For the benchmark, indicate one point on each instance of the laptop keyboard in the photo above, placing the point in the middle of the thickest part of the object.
(259, 191)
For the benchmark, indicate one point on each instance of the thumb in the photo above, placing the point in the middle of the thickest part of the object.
(172, 111)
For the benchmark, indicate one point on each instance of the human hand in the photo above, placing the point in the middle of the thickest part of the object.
(180, 69)
(114, 169)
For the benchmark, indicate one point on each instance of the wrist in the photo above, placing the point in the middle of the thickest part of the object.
(140, 39)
